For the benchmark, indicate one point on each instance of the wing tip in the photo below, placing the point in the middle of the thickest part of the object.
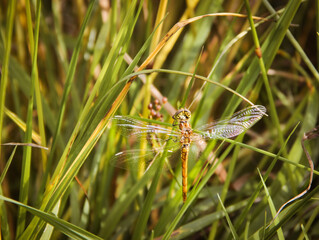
(262, 109)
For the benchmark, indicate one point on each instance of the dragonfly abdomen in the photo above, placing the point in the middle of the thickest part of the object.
(184, 157)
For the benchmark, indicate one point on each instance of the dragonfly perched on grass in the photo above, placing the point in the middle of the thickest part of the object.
(183, 136)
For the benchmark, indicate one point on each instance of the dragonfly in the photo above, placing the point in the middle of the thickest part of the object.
(183, 135)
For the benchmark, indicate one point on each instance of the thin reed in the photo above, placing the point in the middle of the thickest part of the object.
(68, 67)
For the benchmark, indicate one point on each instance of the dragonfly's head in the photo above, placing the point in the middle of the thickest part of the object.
(182, 114)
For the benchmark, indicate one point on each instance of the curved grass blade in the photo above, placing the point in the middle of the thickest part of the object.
(67, 228)
(26, 162)
(125, 200)
(253, 197)
(307, 136)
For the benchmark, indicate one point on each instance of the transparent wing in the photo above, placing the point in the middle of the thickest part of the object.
(132, 127)
(232, 126)
(139, 129)
(138, 158)
(132, 159)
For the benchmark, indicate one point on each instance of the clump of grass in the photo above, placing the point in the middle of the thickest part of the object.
(68, 68)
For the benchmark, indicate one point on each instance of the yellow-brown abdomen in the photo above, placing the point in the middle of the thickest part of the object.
(184, 157)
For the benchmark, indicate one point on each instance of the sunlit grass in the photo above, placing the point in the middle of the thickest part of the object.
(68, 68)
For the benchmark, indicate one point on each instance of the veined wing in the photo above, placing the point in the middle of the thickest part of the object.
(232, 126)
(132, 159)
(137, 158)
(139, 129)
(130, 126)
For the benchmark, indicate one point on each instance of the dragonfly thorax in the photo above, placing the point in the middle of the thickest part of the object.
(182, 116)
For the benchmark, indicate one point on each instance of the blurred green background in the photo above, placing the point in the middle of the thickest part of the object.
(67, 67)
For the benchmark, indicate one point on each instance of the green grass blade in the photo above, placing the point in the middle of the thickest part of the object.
(91, 49)
(107, 66)
(304, 232)
(5, 63)
(70, 230)
(200, 223)
(6, 168)
(37, 85)
(271, 205)
(193, 194)
(191, 83)
(272, 155)
(292, 211)
(67, 87)
(259, 187)
(232, 229)
(230, 173)
(147, 205)
(48, 230)
(310, 222)
(273, 111)
(297, 46)
(269, 50)
(5, 230)
(26, 161)
(123, 203)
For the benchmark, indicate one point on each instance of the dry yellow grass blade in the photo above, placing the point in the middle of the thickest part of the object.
(21, 124)
(161, 44)
(182, 23)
